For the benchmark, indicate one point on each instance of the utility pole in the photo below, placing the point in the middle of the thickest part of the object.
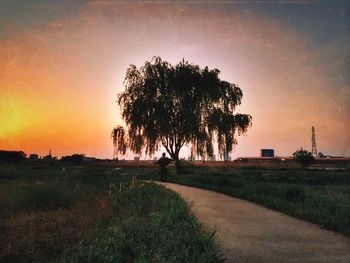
(313, 141)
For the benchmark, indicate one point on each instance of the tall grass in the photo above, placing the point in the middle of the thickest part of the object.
(86, 214)
(154, 225)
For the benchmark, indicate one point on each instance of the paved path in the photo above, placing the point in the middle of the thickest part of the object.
(250, 233)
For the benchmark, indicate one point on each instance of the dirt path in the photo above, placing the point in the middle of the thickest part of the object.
(251, 233)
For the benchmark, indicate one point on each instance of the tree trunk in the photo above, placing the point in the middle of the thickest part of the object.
(179, 169)
(178, 166)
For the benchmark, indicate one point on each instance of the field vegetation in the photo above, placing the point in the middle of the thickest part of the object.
(65, 213)
(320, 196)
(58, 213)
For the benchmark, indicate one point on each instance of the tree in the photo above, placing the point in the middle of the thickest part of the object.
(303, 157)
(73, 159)
(179, 105)
(321, 155)
(12, 156)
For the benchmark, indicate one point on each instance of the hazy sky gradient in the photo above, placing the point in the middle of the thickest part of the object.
(63, 62)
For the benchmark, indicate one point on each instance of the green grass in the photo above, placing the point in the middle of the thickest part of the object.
(322, 197)
(88, 214)
(150, 228)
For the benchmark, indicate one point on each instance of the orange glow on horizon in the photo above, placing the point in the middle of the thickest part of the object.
(59, 79)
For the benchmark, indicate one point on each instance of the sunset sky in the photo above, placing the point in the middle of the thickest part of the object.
(62, 63)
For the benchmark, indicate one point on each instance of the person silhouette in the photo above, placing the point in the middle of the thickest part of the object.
(163, 162)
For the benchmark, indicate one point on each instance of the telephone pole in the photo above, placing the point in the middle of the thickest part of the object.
(313, 141)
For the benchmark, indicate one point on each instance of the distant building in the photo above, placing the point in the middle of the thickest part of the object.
(267, 153)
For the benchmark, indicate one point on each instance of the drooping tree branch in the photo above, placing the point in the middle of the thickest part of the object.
(177, 105)
(120, 140)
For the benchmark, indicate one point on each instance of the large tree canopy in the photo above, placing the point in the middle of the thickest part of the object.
(177, 105)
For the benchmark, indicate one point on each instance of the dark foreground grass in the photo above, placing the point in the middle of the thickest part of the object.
(153, 227)
(322, 197)
(86, 214)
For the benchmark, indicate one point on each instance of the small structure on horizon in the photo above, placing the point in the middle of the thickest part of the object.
(267, 153)
(49, 157)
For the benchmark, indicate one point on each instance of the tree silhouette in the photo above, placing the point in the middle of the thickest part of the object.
(179, 105)
(12, 156)
(303, 157)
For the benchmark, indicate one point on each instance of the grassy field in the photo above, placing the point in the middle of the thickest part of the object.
(57, 213)
(320, 196)
(84, 214)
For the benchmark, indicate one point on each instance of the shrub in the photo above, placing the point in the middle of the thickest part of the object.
(303, 157)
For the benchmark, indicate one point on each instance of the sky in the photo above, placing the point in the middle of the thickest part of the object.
(63, 63)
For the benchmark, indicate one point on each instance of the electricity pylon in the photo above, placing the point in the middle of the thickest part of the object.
(313, 141)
